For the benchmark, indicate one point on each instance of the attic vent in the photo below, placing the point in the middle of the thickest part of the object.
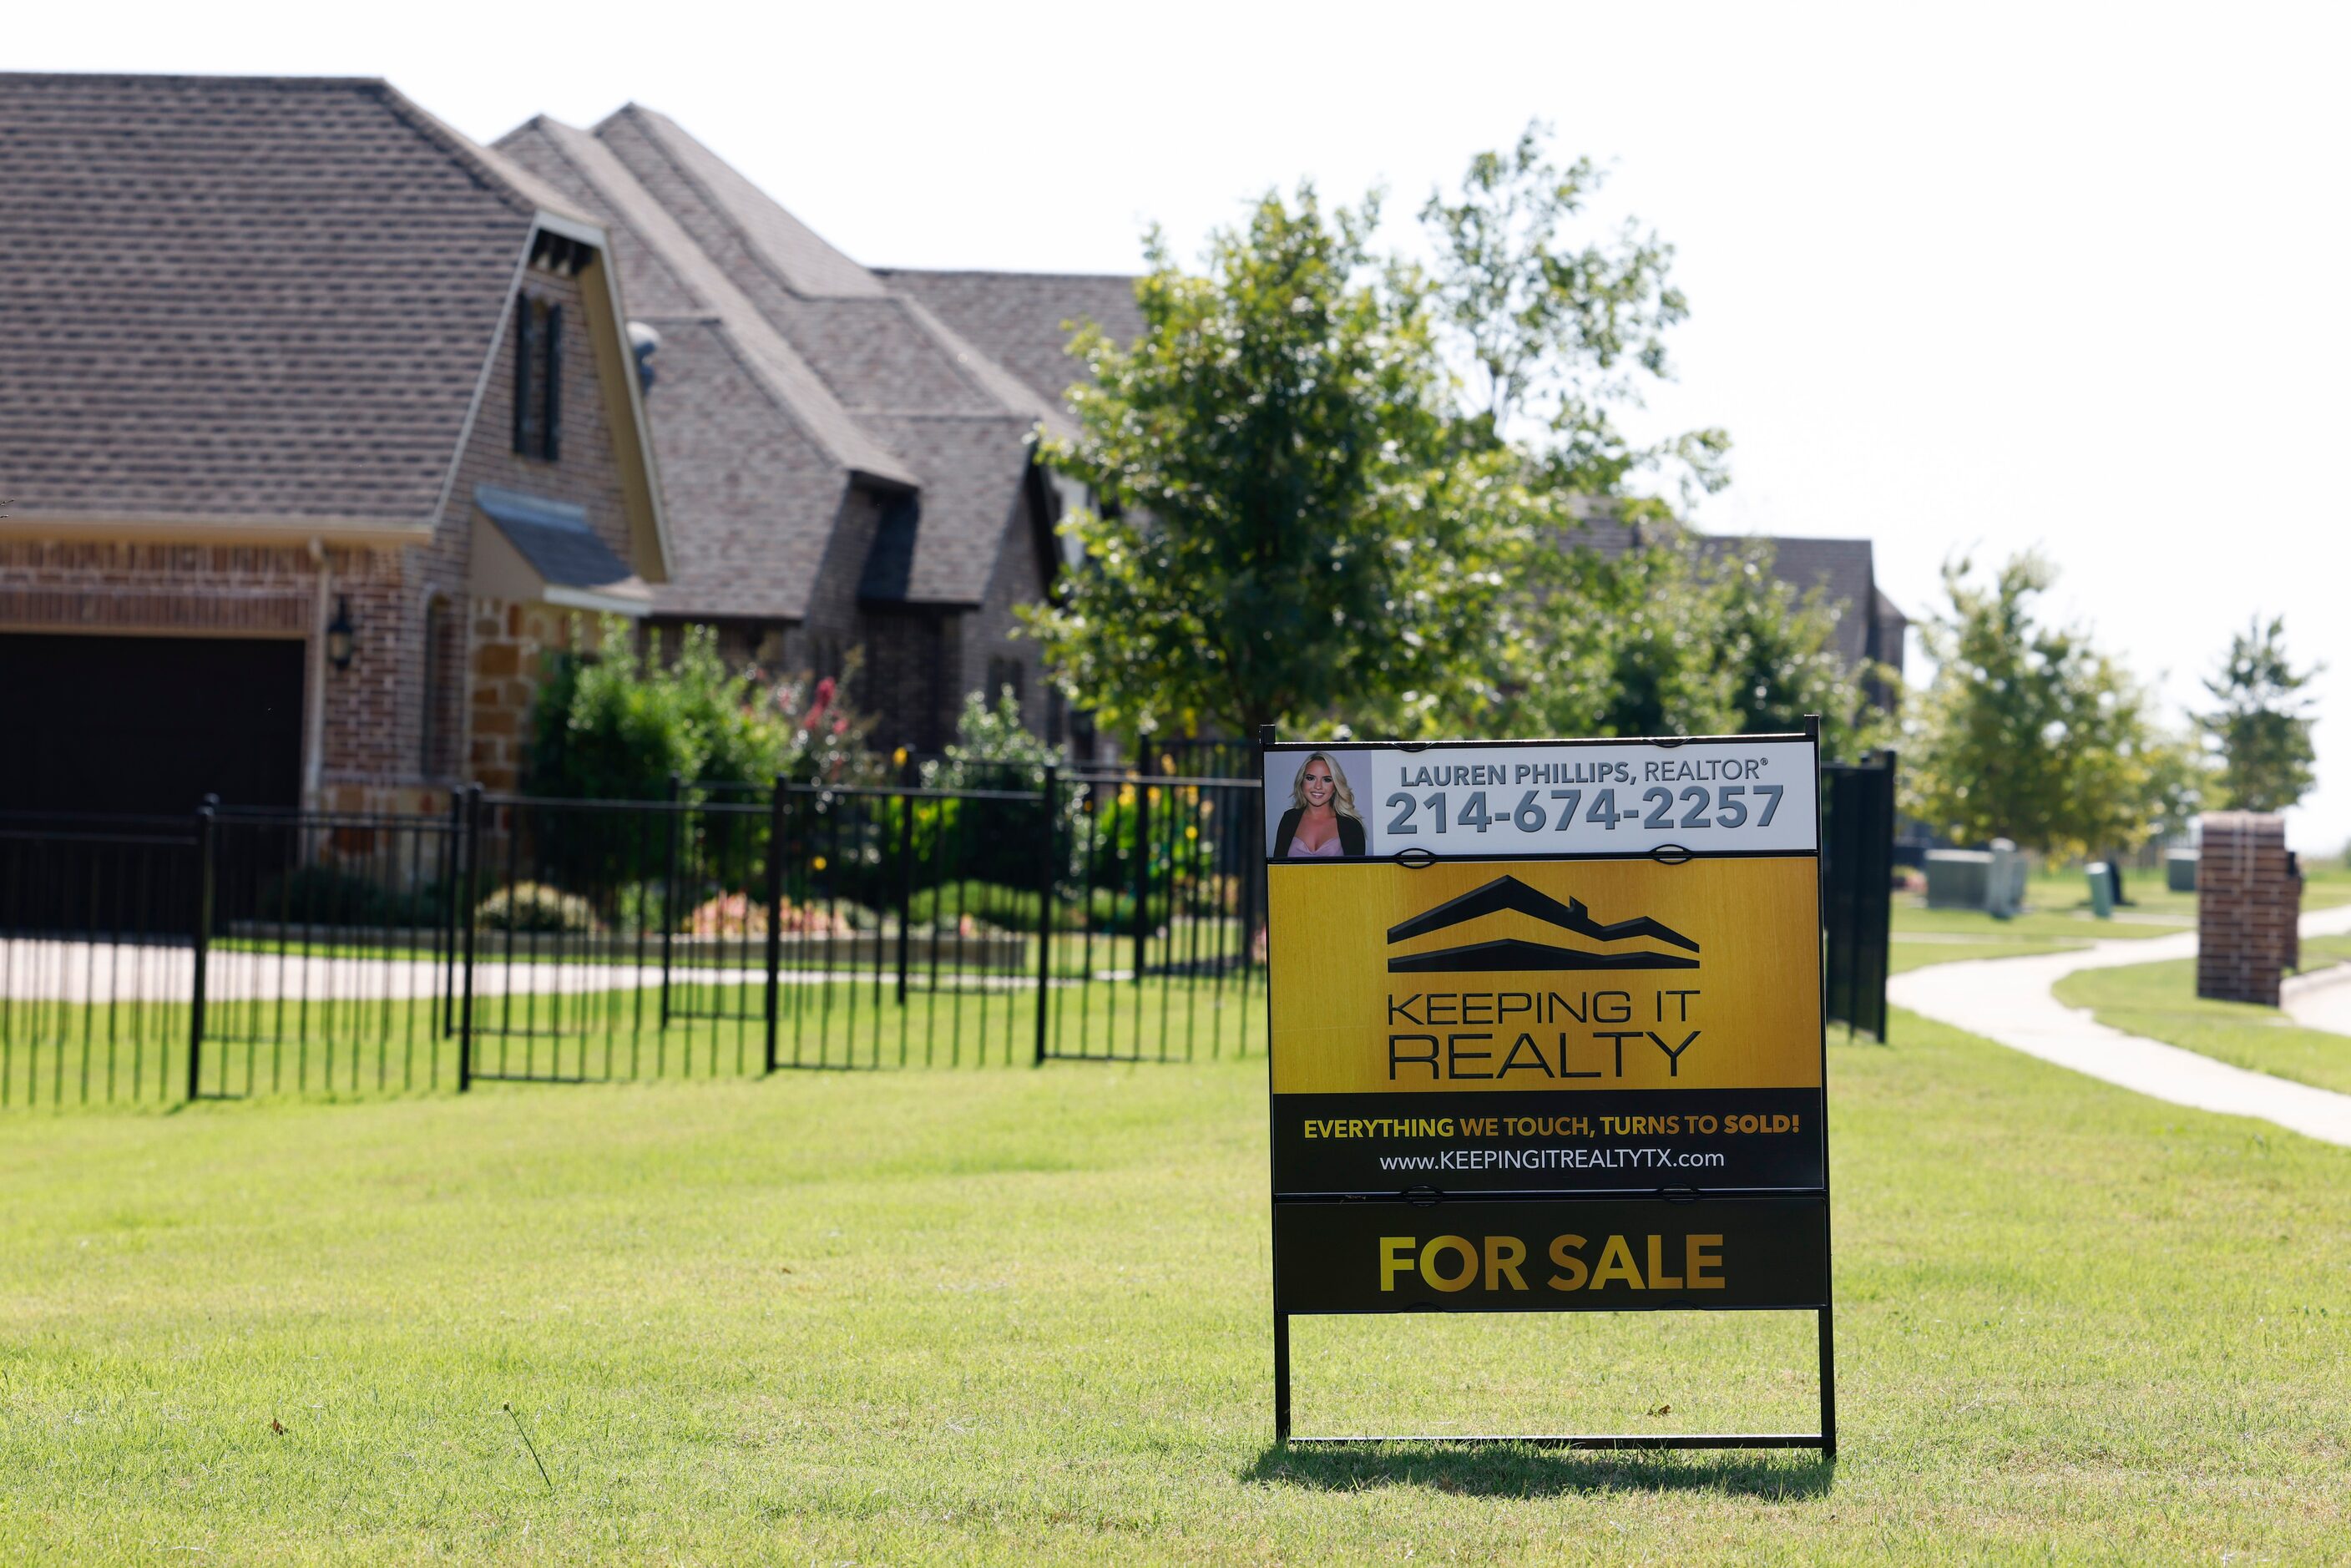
(557, 254)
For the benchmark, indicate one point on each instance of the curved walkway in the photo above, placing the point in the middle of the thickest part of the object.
(2008, 1001)
(2321, 1000)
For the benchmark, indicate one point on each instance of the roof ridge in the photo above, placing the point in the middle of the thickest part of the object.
(524, 191)
(208, 78)
(799, 393)
(969, 362)
(665, 132)
(1007, 272)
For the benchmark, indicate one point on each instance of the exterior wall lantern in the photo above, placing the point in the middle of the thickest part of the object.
(339, 634)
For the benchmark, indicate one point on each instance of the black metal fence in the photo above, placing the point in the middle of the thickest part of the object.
(723, 931)
(970, 915)
(96, 968)
(1857, 890)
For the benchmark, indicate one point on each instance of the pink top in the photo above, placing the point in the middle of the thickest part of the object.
(1330, 850)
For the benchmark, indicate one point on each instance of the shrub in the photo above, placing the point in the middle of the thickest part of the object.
(534, 906)
(329, 895)
(615, 723)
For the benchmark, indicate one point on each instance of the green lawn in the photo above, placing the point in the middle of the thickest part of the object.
(354, 1045)
(2160, 1002)
(2325, 952)
(1911, 916)
(1902, 955)
(1020, 1316)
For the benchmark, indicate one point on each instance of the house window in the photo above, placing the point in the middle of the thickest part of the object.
(537, 378)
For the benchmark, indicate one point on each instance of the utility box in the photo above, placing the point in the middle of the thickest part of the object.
(2179, 871)
(2004, 887)
(1958, 879)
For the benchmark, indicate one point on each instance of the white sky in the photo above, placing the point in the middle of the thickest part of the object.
(1963, 279)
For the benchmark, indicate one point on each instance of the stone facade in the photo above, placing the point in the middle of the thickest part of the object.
(2248, 907)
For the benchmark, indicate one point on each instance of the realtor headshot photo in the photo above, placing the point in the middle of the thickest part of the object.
(1311, 814)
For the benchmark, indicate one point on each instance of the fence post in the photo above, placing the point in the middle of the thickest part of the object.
(1049, 807)
(203, 941)
(1142, 859)
(775, 910)
(669, 891)
(452, 854)
(472, 853)
(907, 776)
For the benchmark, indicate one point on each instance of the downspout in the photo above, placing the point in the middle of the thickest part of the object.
(314, 720)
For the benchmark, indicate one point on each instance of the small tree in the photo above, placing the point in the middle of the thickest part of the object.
(1556, 336)
(2031, 733)
(2262, 727)
(1284, 523)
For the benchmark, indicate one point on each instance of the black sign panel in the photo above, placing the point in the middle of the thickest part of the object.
(1601, 1254)
(1631, 1140)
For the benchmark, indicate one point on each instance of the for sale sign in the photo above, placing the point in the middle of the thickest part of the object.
(1546, 1026)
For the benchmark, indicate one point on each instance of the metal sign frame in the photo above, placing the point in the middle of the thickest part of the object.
(1669, 1204)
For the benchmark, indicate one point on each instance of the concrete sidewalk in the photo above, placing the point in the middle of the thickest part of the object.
(2321, 1000)
(2008, 1001)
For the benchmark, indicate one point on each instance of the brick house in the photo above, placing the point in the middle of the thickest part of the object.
(849, 454)
(319, 423)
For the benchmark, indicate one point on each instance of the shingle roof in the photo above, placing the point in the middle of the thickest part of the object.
(873, 378)
(245, 299)
(1845, 572)
(1020, 318)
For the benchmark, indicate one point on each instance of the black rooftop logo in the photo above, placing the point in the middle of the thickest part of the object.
(1511, 953)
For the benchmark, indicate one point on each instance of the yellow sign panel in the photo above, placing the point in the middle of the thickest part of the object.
(1545, 974)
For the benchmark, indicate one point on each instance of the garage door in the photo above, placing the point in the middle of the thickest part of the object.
(148, 723)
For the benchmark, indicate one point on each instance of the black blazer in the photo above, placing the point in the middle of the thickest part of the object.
(1351, 834)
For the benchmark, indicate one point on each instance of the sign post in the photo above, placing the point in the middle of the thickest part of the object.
(1547, 1036)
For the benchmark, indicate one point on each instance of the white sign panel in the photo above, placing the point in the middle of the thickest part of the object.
(1707, 796)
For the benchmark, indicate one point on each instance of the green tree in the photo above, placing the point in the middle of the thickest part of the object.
(2262, 727)
(1282, 520)
(1557, 334)
(2029, 733)
(1677, 636)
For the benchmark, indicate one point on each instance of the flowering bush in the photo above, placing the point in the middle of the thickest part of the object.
(617, 722)
(740, 915)
(534, 906)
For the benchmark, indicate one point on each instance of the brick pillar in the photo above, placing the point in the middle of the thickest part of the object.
(2248, 901)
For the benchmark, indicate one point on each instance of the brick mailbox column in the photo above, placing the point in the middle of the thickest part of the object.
(2248, 902)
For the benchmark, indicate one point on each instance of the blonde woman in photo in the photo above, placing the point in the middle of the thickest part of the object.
(1321, 822)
